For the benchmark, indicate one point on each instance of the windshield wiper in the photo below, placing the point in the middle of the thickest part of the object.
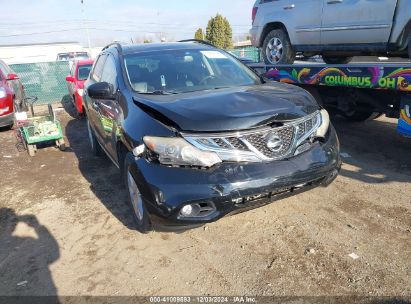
(158, 92)
(219, 88)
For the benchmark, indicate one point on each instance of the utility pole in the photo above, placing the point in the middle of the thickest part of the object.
(86, 26)
(162, 35)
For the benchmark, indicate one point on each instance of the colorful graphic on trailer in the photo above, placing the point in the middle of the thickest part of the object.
(404, 123)
(375, 77)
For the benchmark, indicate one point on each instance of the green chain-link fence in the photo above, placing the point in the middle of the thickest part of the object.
(249, 52)
(45, 80)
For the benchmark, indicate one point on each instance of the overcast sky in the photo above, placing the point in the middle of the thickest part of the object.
(31, 21)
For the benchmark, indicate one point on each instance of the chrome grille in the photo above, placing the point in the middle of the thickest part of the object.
(258, 145)
(237, 143)
(221, 143)
(259, 141)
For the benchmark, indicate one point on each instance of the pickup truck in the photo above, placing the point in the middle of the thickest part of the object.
(335, 29)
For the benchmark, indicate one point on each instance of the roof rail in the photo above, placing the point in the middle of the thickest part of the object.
(198, 41)
(116, 44)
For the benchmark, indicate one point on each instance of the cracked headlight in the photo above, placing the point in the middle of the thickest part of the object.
(325, 124)
(178, 152)
(315, 127)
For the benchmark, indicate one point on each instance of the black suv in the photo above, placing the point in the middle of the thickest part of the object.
(198, 135)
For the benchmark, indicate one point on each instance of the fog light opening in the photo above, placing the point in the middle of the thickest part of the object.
(187, 210)
(197, 210)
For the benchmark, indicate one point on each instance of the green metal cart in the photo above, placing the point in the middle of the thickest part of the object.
(39, 129)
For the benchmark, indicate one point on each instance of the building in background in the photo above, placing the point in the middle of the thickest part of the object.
(41, 52)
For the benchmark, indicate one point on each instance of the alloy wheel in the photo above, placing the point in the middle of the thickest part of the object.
(135, 197)
(274, 50)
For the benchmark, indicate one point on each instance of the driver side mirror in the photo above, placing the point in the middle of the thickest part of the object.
(101, 90)
(12, 77)
(70, 79)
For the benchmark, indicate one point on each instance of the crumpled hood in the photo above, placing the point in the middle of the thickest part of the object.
(231, 109)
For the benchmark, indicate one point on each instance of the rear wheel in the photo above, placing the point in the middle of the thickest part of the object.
(336, 60)
(95, 146)
(12, 125)
(79, 114)
(277, 48)
(140, 214)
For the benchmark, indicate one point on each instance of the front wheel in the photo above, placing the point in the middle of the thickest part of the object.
(277, 48)
(141, 217)
(336, 60)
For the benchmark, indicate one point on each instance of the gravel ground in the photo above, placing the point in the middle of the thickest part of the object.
(65, 229)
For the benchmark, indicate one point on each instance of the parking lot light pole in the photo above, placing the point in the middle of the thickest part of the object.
(86, 26)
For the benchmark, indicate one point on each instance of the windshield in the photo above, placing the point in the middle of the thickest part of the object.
(83, 71)
(180, 71)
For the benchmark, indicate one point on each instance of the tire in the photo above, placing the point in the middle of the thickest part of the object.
(137, 204)
(358, 116)
(277, 48)
(12, 125)
(336, 60)
(79, 115)
(95, 146)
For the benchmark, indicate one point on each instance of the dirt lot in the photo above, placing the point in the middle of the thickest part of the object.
(65, 229)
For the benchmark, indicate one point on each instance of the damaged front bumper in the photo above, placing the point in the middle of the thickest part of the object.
(232, 187)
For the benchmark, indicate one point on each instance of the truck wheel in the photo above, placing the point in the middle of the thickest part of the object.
(336, 60)
(136, 200)
(358, 116)
(277, 48)
(95, 146)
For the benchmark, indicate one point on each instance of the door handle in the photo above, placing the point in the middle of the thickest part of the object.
(95, 105)
(288, 7)
(335, 1)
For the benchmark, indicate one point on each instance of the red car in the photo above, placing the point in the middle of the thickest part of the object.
(75, 82)
(12, 96)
